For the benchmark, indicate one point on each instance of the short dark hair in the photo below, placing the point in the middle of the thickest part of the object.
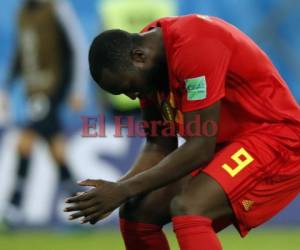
(110, 49)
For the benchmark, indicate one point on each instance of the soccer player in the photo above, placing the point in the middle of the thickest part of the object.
(50, 48)
(183, 68)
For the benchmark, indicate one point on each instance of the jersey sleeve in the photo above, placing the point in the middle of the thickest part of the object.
(200, 67)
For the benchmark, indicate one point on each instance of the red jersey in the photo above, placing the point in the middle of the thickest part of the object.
(210, 60)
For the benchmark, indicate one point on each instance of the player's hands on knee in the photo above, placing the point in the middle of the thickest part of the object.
(97, 203)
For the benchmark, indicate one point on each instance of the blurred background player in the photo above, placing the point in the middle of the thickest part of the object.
(49, 58)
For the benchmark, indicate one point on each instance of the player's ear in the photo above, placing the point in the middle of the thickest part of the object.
(138, 57)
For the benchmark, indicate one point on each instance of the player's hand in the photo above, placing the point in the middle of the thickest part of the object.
(97, 203)
(76, 103)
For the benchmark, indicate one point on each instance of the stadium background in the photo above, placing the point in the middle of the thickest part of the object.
(273, 24)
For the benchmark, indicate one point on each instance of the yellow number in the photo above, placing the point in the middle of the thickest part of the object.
(241, 163)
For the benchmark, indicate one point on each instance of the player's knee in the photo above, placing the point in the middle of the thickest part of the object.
(134, 210)
(126, 210)
(58, 155)
(178, 206)
(141, 210)
(58, 152)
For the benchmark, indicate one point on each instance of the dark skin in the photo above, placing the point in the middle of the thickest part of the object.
(148, 66)
(161, 172)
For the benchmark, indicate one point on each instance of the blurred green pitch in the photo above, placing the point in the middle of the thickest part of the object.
(264, 239)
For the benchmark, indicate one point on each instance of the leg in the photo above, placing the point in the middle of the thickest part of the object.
(141, 222)
(24, 150)
(201, 202)
(57, 149)
(244, 172)
(202, 196)
(49, 128)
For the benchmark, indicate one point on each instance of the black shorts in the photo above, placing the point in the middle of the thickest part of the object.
(43, 116)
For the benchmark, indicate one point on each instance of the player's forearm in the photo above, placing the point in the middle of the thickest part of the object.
(151, 155)
(173, 167)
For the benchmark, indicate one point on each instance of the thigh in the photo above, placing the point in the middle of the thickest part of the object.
(202, 195)
(154, 207)
(26, 140)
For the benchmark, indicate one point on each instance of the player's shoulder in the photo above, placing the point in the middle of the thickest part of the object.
(200, 27)
(194, 19)
(181, 20)
(183, 24)
(158, 23)
(197, 34)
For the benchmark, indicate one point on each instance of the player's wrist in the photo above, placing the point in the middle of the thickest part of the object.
(128, 188)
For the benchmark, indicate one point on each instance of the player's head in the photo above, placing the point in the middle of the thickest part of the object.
(122, 62)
